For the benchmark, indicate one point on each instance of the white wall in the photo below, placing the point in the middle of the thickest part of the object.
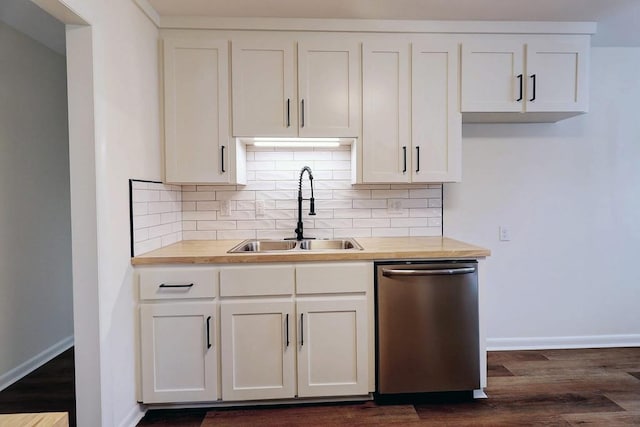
(125, 107)
(36, 309)
(570, 194)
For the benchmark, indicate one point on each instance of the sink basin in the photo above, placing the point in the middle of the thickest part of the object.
(311, 245)
(318, 245)
(264, 246)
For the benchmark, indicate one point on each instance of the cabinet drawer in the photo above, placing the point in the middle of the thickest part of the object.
(256, 280)
(331, 278)
(178, 283)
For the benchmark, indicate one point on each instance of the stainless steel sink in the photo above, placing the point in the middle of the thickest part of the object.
(264, 246)
(319, 245)
(307, 245)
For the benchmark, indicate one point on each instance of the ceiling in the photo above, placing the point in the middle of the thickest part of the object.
(616, 18)
(29, 19)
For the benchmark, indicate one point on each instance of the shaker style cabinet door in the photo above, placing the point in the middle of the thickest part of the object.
(329, 88)
(258, 350)
(557, 76)
(554, 80)
(493, 76)
(178, 352)
(333, 346)
(386, 114)
(264, 89)
(436, 125)
(196, 111)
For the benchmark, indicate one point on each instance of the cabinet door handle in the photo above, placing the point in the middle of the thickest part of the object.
(520, 84)
(287, 328)
(404, 155)
(166, 285)
(418, 158)
(302, 114)
(533, 78)
(209, 332)
(288, 112)
(222, 158)
(301, 329)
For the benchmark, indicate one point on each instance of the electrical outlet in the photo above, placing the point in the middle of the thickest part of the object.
(394, 206)
(504, 233)
(225, 208)
(259, 208)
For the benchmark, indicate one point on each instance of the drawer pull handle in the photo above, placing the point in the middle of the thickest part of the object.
(209, 332)
(165, 285)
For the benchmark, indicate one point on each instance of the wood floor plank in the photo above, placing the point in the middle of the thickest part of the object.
(501, 357)
(498, 371)
(630, 401)
(627, 418)
(321, 415)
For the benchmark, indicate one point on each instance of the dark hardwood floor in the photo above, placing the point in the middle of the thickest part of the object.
(598, 387)
(50, 388)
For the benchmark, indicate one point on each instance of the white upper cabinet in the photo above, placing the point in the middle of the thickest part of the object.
(316, 95)
(386, 120)
(329, 92)
(411, 122)
(264, 89)
(436, 125)
(545, 77)
(196, 112)
(557, 76)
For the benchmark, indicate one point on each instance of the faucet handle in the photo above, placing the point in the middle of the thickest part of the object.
(312, 206)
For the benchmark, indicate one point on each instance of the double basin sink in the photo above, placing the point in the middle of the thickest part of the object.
(264, 245)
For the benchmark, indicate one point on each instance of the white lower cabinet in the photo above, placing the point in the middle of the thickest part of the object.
(311, 342)
(258, 356)
(285, 331)
(178, 354)
(178, 334)
(332, 356)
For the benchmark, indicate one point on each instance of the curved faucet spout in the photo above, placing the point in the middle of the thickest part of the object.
(299, 227)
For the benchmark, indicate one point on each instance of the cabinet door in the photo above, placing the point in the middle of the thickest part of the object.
(436, 125)
(333, 345)
(492, 76)
(329, 88)
(386, 119)
(178, 352)
(264, 91)
(258, 350)
(559, 72)
(196, 111)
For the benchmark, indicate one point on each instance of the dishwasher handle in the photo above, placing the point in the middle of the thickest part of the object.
(426, 272)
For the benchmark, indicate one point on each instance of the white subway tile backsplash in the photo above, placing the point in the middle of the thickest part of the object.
(389, 194)
(352, 213)
(199, 216)
(199, 235)
(390, 232)
(193, 212)
(236, 234)
(216, 225)
(188, 196)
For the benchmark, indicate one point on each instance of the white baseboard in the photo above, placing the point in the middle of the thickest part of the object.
(542, 343)
(35, 362)
(135, 415)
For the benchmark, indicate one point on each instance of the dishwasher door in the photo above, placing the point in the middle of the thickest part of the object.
(427, 327)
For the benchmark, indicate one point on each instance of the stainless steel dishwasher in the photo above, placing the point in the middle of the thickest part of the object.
(426, 327)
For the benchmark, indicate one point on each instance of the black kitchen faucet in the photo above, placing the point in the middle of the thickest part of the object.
(299, 232)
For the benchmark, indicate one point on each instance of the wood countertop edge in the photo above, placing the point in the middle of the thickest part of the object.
(365, 255)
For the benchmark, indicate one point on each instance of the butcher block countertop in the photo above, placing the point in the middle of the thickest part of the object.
(374, 248)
